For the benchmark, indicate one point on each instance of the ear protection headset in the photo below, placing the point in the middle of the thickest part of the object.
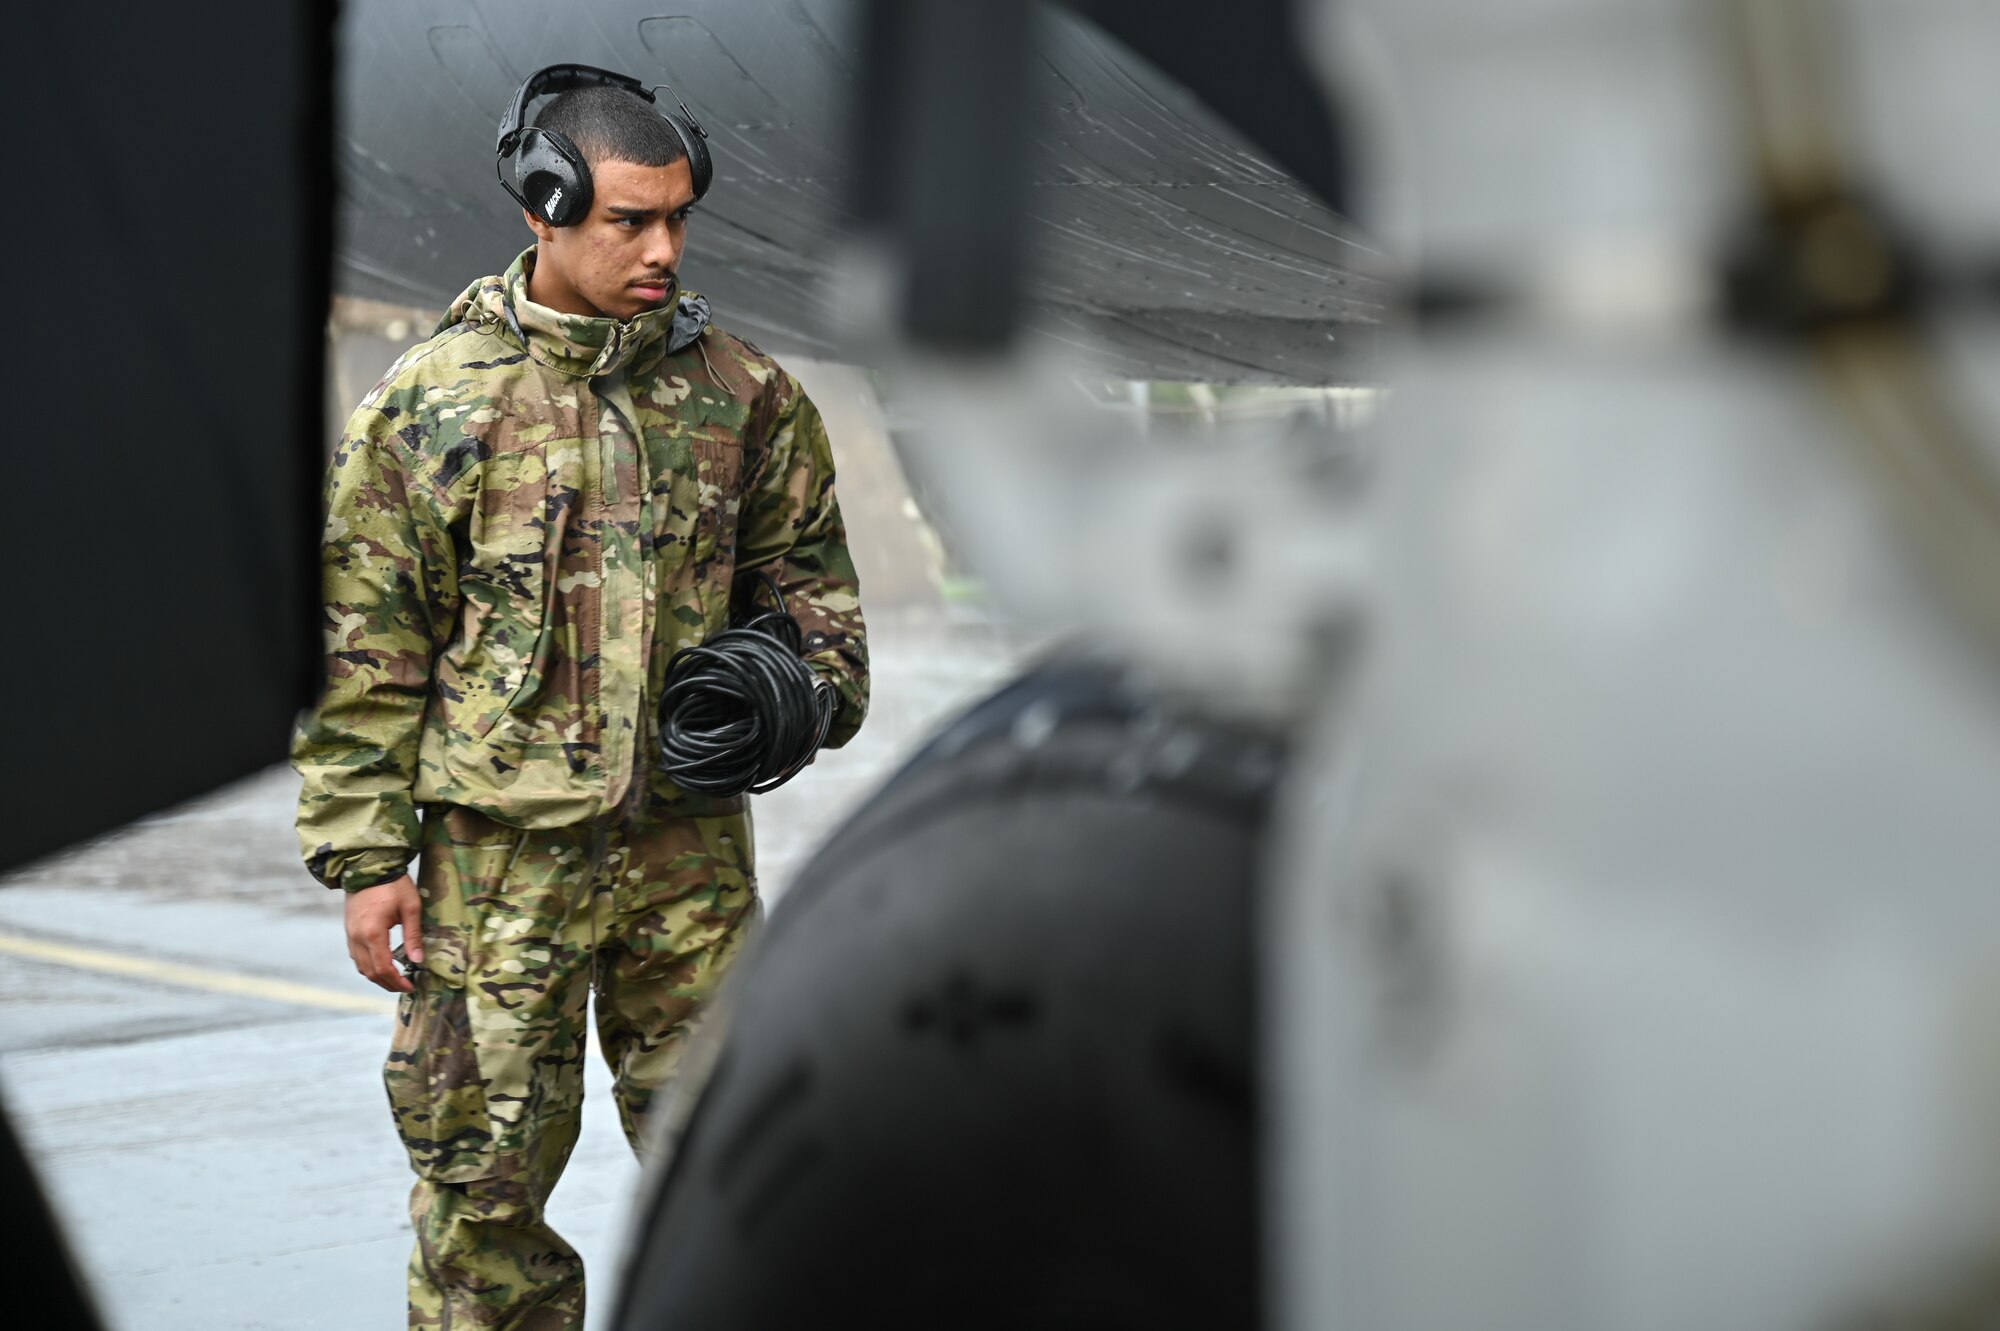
(554, 178)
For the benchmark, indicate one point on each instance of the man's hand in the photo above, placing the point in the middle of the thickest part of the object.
(370, 914)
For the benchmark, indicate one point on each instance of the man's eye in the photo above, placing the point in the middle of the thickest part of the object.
(684, 213)
(632, 222)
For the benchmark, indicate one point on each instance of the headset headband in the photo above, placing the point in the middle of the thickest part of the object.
(561, 78)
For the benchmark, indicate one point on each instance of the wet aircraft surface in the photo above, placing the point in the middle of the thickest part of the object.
(1167, 247)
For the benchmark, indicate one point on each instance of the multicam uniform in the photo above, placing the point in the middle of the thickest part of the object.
(528, 516)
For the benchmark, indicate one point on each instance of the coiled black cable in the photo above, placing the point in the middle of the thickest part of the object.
(743, 712)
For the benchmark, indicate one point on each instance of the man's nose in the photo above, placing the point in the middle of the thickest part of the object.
(661, 250)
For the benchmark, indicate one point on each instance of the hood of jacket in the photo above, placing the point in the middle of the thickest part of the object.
(573, 344)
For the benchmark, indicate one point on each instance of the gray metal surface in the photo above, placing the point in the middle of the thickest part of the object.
(1165, 247)
(1632, 957)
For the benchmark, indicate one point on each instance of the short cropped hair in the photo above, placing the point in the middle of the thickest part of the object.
(612, 125)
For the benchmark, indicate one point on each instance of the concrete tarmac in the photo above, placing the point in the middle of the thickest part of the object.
(219, 1147)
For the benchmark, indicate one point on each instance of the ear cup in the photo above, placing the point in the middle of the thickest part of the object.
(554, 177)
(700, 165)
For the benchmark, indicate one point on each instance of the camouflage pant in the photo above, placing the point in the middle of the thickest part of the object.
(486, 1072)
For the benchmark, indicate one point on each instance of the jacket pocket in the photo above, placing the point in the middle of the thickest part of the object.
(525, 694)
(508, 533)
(501, 656)
(499, 666)
(432, 1076)
(718, 463)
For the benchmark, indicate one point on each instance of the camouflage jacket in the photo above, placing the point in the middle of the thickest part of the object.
(525, 519)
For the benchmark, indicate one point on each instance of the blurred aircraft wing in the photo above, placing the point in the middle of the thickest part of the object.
(1164, 245)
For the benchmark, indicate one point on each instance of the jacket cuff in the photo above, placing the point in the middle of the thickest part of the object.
(849, 687)
(356, 869)
(354, 880)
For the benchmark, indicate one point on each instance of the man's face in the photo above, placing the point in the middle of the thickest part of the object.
(618, 261)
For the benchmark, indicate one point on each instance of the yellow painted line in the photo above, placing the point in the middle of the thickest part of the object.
(192, 977)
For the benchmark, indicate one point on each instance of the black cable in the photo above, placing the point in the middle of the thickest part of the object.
(743, 712)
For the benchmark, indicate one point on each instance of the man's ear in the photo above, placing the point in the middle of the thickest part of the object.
(544, 233)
